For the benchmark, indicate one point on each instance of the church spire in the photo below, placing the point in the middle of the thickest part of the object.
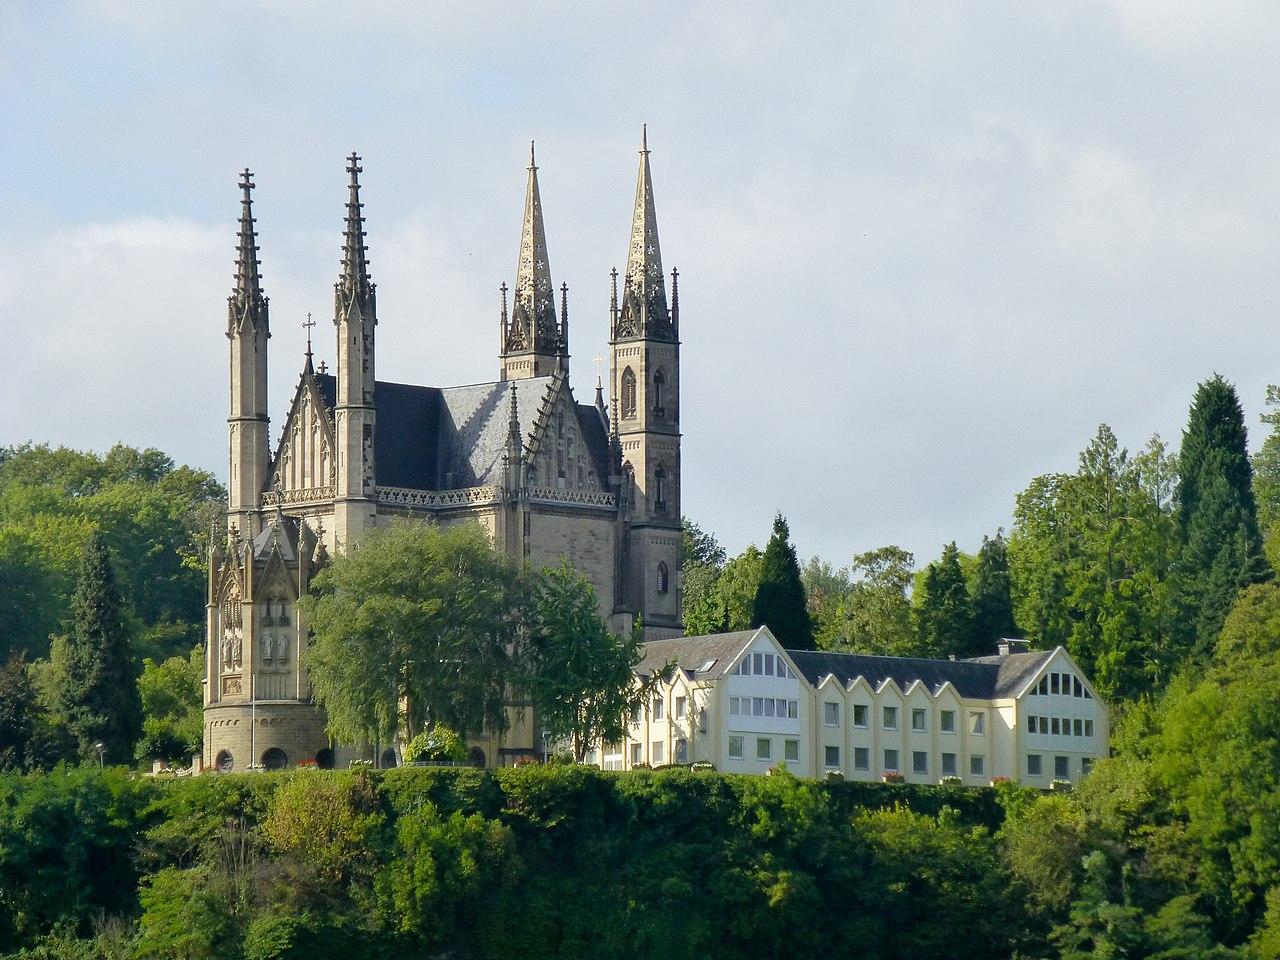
(644, 303)
(247, 305)
(354, 284)
(532, 341)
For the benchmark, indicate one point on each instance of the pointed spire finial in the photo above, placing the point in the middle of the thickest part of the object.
(247, 304)
(354, 282)
(307, 326)
(644, 138)
(644, 296)
(533, 160)
(533, 311)
(564, 320)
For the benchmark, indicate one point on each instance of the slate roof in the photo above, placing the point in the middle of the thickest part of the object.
(282, 531)
(447, 438)
(983, 678)
(690, 653)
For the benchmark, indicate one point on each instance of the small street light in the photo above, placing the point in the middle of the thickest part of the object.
(102, 754)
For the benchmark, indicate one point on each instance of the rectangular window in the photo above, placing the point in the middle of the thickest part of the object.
(1054, 728)
(757, 664)
(1043, 687)
(791, 750)
(733, 706)
(831, 714)
(782, 708)
(919, 719)
(757, 706)
(1077, 727)
(948, 764)
(1077, 689)
(1086, 764)
(861, 758)
(1062, 768)
(1053, 683)
(768, 664)
(680, 707)
(890, 718)
(977, 723)
(764, 748)
(859, 714)
(1088, 728)
(1033, 764)
(1044, 724)
(636, 713)
(735, 748)
(891, 759)
(702, 720)
(657, 708)
(682, 750)
(919, 761)
(977, 764)
(656, 752)
(1087, 694)
(636, 755)
(1031, 724)
(793, 709)
(769, 705)
(947, 721)
(831, 757)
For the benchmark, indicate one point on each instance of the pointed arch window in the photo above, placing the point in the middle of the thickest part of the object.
(660, 488)
(663, 578)
(628, 394)
(659, 393)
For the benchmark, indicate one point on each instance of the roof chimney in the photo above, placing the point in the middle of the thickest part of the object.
(1008, 646)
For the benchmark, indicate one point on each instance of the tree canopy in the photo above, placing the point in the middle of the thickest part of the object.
(780, 602)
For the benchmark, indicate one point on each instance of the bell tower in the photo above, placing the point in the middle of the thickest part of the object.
(248, 332)
(355, 316)
(532, 342)
(645, 384)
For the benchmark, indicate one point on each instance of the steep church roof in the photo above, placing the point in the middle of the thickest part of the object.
(447, 438)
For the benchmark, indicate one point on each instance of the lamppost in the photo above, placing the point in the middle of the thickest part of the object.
(102, 754)
(546, 746)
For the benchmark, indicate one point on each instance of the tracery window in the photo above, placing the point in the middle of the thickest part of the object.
(662, 578)
(659, 393)
(660, 488)
(628, 394)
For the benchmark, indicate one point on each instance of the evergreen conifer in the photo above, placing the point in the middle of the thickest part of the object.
(780, 602)
(992, 597)
(944, 613)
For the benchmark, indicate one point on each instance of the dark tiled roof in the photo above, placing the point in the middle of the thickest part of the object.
(405, 431)
(983, 678)
(690, 653)
(596, 434)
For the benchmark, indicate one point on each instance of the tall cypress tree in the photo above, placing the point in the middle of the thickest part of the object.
(17, 714)
(97, 689)
(1221, 548)
(944, 613)
(992, 597)
(780, 602)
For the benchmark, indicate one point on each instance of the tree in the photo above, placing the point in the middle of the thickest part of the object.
(701, 559)
(1221, 547)
(944, 614)
(780, 602)
(417, 624)
(18, 709)
(1266, 478)
(697, 547)
(991, 596)
(736, 589)
(96, 688)
(824, 587)
(172, 724)
(874, 615)
(579, 672)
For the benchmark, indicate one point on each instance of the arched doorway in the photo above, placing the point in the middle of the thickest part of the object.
(476, 758)
(275, 759)
(224, 763)
(324, 759)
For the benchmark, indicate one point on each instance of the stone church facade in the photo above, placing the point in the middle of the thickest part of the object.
(547, 476)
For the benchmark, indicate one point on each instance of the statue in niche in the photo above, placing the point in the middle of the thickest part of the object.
(268, 644)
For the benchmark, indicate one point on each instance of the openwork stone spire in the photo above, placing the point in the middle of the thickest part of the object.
(247, 305)
(644, 296)
(354, 287)
(533, 325)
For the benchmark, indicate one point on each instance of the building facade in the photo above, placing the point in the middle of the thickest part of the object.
(547, 476)
(742, 703)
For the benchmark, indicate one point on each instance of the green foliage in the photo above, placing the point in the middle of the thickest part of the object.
(991, 595)
(716, 599)
(324, 820)
(874, 615)
(416, 624)
(438, 744)
(698, 548)
(171, 706)
(944, 612)
(96, 692)
(18, 715)
(1266, 479)
(780, 602)
(578, 672)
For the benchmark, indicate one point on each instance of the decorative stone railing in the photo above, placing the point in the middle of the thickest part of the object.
(439, 499)
(302, 495)
(586, 498)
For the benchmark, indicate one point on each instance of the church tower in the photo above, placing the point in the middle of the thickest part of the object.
(645, 372)
(355, 315)
(532, 342)
(247, 329)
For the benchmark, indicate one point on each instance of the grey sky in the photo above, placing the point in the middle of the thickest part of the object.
(924, 249)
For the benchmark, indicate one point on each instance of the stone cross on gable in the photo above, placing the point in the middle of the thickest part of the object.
(307, 326)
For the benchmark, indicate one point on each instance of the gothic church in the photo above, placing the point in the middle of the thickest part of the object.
(547, 476)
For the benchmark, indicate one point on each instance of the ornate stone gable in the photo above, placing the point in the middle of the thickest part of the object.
(303, 466)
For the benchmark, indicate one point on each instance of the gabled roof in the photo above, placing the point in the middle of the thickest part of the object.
(692, 653)
(447, 438)
(982, 678)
